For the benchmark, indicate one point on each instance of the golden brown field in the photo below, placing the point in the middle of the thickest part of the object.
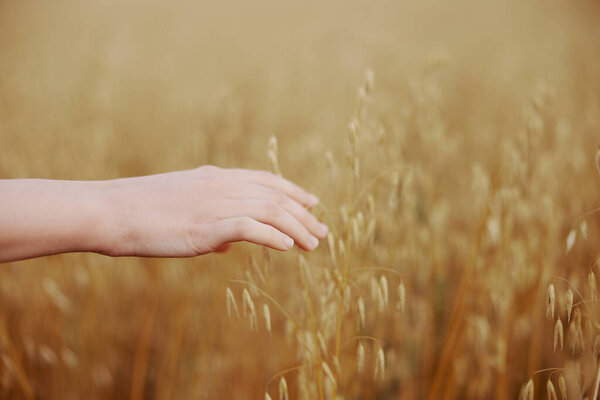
(452, 145)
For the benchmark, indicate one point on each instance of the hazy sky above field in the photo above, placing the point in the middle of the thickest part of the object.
(148, 58)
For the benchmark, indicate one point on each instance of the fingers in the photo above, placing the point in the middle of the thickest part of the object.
(249, 230)
(269, 196)
(273, 181)
(296, 210)
(311, 222)
(272, 214)
(265, 204)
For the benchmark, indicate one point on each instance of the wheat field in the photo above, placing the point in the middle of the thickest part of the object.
(453, 146)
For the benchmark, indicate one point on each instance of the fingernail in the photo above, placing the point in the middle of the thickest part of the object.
(313, 200)
(288, 242)
(314, 242)
(323, 229)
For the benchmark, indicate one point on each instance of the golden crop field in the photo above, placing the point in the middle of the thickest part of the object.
(453, 147)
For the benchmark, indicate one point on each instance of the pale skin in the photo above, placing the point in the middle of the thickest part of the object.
(176, 214)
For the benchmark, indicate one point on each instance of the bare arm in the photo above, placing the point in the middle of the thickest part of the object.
(176, 214)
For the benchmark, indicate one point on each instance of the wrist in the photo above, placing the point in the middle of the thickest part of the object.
(91, 227)
(110, 235)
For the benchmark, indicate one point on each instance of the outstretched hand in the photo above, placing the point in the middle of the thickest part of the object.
(188, 213)
(176, 214)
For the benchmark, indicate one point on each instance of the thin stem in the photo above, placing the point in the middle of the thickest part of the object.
(539, 371)
(367, 269)
(363, 338)
(373, 181)
(280, 373)
(555, 370)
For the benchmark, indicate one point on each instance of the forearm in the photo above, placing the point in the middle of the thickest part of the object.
(41, 217)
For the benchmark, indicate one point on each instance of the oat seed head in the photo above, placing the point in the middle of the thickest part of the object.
(249, 309)
(331, 246)
(597, 348)
(558, 334)
(550, 300)
(551, 393)
(231, 303)
(384, 289)
(529, 390)
(562, 387)
(272, 154)
(328, 372)
(283, 389)
(360, 357)
(267, 315)
(380, 365)
(401, 296)
(336, 365)
(583, 229)
(322, 344)
(569, 301)
(571, 239)
(361, 313)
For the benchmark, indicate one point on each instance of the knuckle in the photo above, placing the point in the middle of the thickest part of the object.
(210, 183)
(267, 178)
(273, 211)
(243, 226)
(209, 170)
(279, 198)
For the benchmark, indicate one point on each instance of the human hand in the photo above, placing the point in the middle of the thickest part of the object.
(193, 212)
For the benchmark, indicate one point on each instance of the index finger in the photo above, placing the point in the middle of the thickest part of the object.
(273, 181)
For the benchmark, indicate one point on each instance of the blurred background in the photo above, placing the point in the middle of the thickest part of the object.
(476, 146)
